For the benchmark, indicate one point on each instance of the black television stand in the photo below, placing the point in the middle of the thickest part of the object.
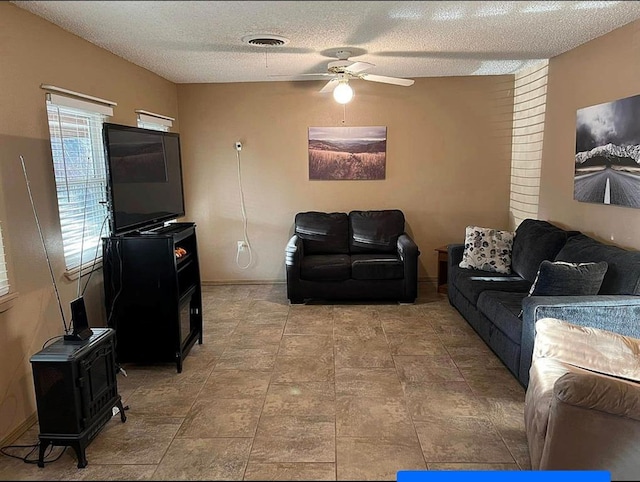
(153, 295)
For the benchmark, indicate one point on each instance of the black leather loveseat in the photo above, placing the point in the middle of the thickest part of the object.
(363, 255)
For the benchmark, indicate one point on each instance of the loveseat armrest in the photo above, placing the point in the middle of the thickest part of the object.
(409, 252)
(616, 313)
(294, 253)
(407, 248)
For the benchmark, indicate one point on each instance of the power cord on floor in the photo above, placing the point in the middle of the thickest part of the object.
(244, 214)
(34, 449)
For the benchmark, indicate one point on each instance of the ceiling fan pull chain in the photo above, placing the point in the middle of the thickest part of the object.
(344, 113)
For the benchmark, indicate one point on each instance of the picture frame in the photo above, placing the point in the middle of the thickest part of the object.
(347, 153)
(607, 160)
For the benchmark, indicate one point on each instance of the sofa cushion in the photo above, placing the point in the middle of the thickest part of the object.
(503, 308)
(487, 249)
(375, 231)
(376, 266)
(326, 267)
(323, 233)
(623, 274)
(472, 282)
(535, 241)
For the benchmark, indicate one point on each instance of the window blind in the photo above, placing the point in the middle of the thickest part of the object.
(4, 278)
(157, 122)
(80, 175)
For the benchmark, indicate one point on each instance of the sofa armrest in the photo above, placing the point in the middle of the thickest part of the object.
(408, 252)
(455, 252)
(616, 313)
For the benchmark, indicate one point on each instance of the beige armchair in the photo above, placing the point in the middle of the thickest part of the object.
(582, 405)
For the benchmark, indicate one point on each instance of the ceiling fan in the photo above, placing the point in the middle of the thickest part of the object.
(343, 70)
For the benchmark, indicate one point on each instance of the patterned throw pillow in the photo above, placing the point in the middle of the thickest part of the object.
(487, 249)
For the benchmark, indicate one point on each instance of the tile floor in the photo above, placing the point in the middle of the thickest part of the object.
(308, 392)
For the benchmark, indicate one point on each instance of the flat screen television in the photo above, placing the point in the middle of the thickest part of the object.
(145, 177)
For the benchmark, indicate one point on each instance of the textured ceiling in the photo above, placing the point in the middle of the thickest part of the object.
(201, 41)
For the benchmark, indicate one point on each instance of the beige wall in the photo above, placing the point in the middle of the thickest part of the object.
(448, 155)
(32, 52)
(603, 70)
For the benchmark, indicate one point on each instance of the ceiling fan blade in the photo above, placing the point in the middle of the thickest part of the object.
(387, 80)
(329, 86)
(356, 67)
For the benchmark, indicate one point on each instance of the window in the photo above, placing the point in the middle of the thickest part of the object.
(4, 279)
(156, 122)
(77, 149)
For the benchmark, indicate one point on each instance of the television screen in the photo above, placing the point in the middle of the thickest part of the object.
(145, 177)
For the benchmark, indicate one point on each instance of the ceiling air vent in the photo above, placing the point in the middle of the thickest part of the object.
(265, 40)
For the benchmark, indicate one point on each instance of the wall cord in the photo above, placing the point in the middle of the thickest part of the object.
(244, 219)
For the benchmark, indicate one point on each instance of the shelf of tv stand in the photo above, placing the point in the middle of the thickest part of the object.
(183, 262)
(156, 297)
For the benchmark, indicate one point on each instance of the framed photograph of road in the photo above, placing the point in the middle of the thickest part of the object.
(347, 153)
(607, 162)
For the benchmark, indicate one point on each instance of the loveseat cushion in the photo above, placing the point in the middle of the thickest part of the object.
(323, 233)
(326, 267)
(375, 231)
(473, 282)
(623, 272)
(503, 308)
(535, 241)
(376, 266)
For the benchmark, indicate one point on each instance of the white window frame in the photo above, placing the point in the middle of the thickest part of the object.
(156, 122)
(75, 128)
(4, 276)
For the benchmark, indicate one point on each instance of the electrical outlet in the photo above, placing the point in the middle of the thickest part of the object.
(241, 245)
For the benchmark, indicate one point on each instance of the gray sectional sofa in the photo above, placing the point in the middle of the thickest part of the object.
(498, 307)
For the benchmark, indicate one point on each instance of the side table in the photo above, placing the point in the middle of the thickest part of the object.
(443, 259)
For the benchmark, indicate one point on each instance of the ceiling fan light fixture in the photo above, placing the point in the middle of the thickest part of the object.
(343, 93)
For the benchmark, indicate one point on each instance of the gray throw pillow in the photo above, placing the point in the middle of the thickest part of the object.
(559, 278)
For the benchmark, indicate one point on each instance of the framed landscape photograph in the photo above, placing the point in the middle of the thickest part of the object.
(347, 153)
(607, 161)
